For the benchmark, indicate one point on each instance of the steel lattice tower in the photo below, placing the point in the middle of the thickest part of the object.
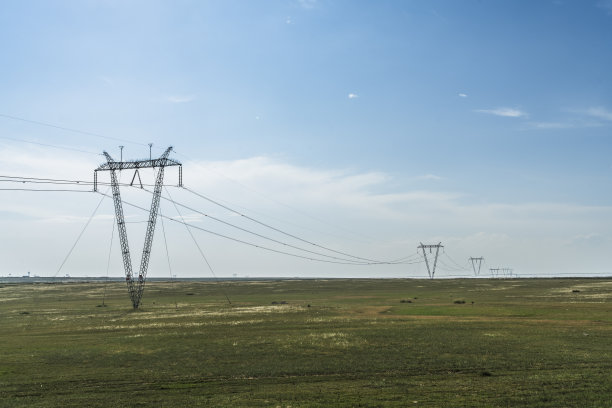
(136, 286)
(431, 271)
(476, 261)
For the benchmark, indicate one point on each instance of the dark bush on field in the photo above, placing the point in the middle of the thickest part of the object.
(189, 294)
(405, 301)
(459, 302)
(575, 291)
(485, 374)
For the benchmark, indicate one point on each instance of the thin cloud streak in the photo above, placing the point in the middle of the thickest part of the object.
(365, 201)
(552, 125)
(599, 113)
(181, 98)
(504, 112)
(308, 4)
(431, 177)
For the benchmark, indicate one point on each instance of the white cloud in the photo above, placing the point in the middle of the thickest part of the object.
(308, 4)
(318, 204)
(288, 20)
(180, 98)
(429, 177)
(353, 96)
(505, 112)
(552, 125)
(599, 113)
(589, 240)
(462, 95)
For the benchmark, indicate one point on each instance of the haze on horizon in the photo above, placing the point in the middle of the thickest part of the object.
(367, 127)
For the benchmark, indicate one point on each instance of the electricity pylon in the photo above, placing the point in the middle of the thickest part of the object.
(475, 262)
(507, 272)
(136, 287)
(430, 271)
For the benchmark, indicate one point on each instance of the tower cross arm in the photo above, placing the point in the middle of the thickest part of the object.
(431, 246)
(162, 161)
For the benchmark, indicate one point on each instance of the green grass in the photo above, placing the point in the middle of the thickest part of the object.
(522, 342)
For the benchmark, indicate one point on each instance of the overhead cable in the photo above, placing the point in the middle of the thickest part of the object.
(82, 132)
(281, 231)
(245, 242)
(260, 235)
(80, 235)
(197, 245)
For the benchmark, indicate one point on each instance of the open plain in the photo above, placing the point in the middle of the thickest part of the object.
(308, 343)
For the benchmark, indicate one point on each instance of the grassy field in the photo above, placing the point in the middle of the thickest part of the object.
(310, 343)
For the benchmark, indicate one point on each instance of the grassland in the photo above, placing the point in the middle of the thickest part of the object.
(311, 343)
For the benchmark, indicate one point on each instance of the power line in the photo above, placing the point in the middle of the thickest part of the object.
(277, 219)
(108, 262)
(168, 258)
(197, 245)
(450, 267)
(46, 190)
(281, 231)
(80, 235)
(409, 257)
(257, 234)
(462, 267)
(47, 145)
(414, 262)
(34, 180)
(82, 132)
(283, 204)
(38, 180)
(245, 242)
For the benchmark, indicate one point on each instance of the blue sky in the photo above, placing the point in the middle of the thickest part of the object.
(365, 126)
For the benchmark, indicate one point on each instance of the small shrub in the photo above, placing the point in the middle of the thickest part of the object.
(189, 294)
(485, 374)
(459, 302)
(576, 291)
(405, 301)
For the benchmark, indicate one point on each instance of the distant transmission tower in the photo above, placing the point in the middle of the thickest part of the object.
(136, 287)
(507, 272)
(430, 271)
(476, 264)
